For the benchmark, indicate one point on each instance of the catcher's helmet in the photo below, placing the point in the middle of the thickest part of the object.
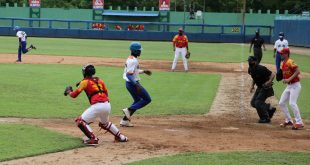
(88, 70)
(16, 28)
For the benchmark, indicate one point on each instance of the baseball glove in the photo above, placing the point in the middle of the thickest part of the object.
(188, 55)
(148, 72)
(279, 75)
(68, 89)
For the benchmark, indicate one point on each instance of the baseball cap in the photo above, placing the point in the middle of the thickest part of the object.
(181, 29)
(285, 51)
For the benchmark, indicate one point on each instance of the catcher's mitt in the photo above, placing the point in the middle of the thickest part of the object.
(68, 90)
(148, 72)
(279, 75)
(188, 55)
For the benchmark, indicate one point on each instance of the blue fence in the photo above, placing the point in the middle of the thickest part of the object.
(151, 30)
(297, 31)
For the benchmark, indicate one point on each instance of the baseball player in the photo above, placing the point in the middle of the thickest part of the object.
(291, 77)
(278, 46)
(180, 46)
(97, 94)
(258, 42)
(139, 94)
(263, 78)
(22, 40)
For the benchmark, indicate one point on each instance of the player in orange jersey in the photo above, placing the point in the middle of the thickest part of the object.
(180, 46)
(291, 77)
(97, 94)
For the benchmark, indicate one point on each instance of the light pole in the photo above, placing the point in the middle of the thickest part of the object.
(243, 19)
(184, 8)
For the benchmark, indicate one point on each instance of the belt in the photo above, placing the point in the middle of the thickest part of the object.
(180, 47)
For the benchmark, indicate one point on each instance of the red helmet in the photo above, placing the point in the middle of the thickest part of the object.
(285, 51)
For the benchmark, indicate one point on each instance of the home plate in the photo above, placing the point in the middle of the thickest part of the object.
(230, 128)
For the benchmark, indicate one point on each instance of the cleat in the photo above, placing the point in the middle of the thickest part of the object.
(127, 113)
(91, 142)
(297, 126)
(286, 124)
(18, 61)
(32, 47)
(125, 123)
(271, 112)
(264, 121)
(120, 139)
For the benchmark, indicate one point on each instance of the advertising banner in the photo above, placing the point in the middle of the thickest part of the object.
(34, 3)
(98, 4)
(164, 5)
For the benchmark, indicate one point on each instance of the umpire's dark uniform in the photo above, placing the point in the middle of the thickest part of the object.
(257, 41)
(260, 75)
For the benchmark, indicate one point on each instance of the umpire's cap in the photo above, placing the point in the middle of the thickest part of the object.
(281, 34)
(252, 59)
(16, 28)
(134, 46)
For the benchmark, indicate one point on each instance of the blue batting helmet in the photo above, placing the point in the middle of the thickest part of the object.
(16, 28)
(281, 34)
(134, 46)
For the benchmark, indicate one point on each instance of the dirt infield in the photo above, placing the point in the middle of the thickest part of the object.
(231, 124)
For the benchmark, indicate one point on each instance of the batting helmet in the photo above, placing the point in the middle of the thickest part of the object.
(135, 48)
(88, 70)
(16, 28)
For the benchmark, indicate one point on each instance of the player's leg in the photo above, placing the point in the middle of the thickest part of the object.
(145, 99)
(261, 107)
(176, 56)
(278, 61)
(258, 54)
(83, 123)
(24, 49)
(282, 103)
(104, 110)
(183, 53)
(19, 55)
(294, 93)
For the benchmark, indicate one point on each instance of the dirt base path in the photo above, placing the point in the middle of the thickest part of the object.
(231, 124)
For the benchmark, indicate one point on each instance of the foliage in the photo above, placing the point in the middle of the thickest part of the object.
(178, 5)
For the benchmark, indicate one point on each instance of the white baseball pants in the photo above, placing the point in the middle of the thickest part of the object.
(291, 94)
(177, 52)
(101, 110)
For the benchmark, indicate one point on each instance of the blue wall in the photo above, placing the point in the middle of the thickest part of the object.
(297, 32)
(128, 35)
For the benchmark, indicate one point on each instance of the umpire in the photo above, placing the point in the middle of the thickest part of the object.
(263, 78)
(258, 42)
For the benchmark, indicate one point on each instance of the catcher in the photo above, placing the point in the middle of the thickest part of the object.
(263, 78)
(180, 46)
(97, 94)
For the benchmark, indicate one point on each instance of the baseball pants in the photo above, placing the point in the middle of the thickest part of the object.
(258, 53)
(22, 49)
(290, 94)
(177, 53)
(140, 99)
(258, 101)
(278, 61)
(101, 110)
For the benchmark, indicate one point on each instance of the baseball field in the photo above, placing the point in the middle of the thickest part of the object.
(200, 117)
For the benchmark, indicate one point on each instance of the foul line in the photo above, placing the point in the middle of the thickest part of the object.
(242, 84)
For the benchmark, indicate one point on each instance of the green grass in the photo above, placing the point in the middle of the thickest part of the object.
(303, 102)
(19, 141)
(36, 91)
(213, 52)
(231, 158)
